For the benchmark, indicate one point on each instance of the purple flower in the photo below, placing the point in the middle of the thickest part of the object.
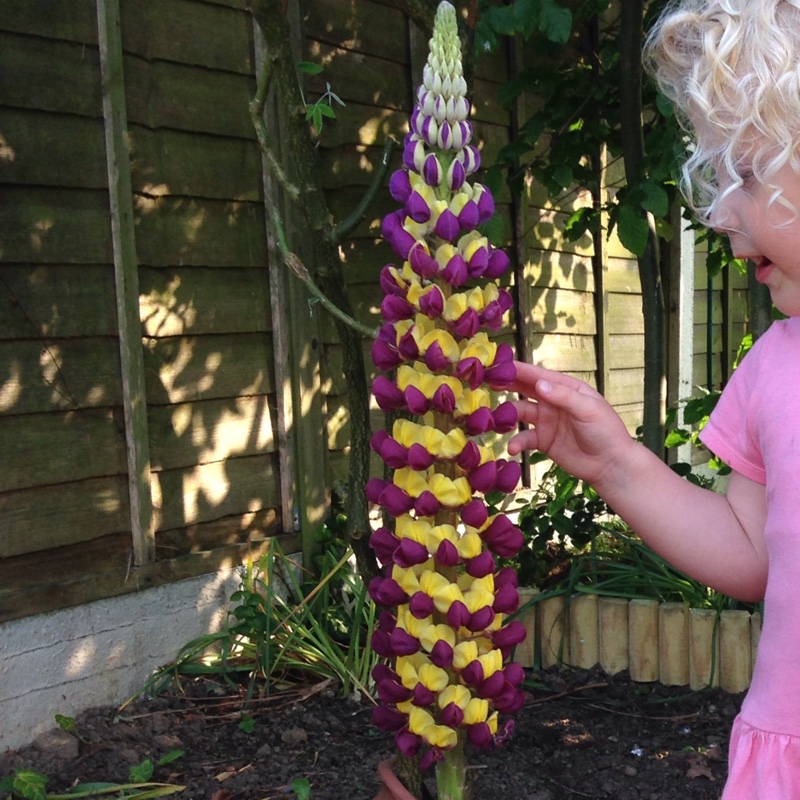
(431, 304)
(505, 417)
(452, 715)
(407, 743)
(483, 478)
(417, 208)
(419, 458)
(395, 308)
(481, 566)
(396, 501)
(455, 273)
(447, 554)
(410, 553)
(387, 592)
(509, 635)
(387, 395)
(508, 475)
(442, 654)
(479, 422)
(432, 170)
(474, 513)
(390, 691)
(498, 264)
(400, 186)
(467, 325)
(403, 643)
(503, 538)
(421, 605)
(506, 599)
(427, 505)
(481, 619)
(384, 543)
(424, 264)
(388, 719)
(480, 735)
(444, 400)
(447, 226)
(435, 359)
(416, 402)
(422, 695)
(470, 457)
(430, 757)
(471, 371)
(457, 615)
(385, 355)
(492, 686)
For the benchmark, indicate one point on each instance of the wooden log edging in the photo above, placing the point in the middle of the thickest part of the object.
(665, 642)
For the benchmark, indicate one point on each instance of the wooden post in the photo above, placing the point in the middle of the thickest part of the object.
(643, 640)
(296, 350)
(703, 648)
(127, 281)
(583, 631)
(673, 644)
(613, 626)
(735, 660)
(680, 359)
(525, 652)
(552, 620)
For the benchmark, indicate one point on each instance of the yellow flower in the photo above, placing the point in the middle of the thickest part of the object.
(413, 483)
(465, 653)
(492, 661)
(417, 530)
(469, 545)
(451, 493)
(470, 243)
(438, 534)
(476, 711)
(433, 677)
(435, 633)
(445, 340)
(455, 306)
(454, 693)
(480, 347)
(444, 253)
(473, 400)
(423, 724)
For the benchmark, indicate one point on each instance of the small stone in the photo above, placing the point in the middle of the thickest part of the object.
(631, 772)
(264, 751)
(58, 744)
(294, 736)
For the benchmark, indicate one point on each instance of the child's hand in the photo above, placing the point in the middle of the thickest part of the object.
(572, 424)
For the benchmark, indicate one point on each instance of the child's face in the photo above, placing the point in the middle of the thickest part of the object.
(767, 233)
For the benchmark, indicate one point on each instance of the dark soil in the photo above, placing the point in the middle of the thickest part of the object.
(580, 735)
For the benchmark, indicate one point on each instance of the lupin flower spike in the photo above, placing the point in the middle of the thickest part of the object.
(449, 680)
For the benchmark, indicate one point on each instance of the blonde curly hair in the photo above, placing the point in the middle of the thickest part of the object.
(732, 70)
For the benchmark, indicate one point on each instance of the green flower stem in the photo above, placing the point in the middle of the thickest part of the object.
(451, 774)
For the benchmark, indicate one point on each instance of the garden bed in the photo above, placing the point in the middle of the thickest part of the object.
(581, 734)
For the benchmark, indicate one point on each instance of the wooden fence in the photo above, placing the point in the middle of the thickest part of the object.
(169, 399)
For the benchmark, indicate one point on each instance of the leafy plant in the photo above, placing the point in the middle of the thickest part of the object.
(282, 630)
(30, 785)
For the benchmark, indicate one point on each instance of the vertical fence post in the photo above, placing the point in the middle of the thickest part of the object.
(126, 280)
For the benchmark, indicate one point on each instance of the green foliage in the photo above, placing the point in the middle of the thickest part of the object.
(576, 544)
(302, 788)
(573, 66)
(323, 108)
(247, 723)
(29, 785)
(282, 629)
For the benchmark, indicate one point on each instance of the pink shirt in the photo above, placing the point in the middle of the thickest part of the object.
(756, 429)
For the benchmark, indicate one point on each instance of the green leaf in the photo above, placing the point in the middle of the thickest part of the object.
(247, 724)
(141, 773)
(501, 18)
(555, 22)
(302, 788)
(30, 785)
(633, 230)
(326, 110)
(655, 199)
(494, 229)
(168, 758)
(309, 68)
(677, 437)
(562, 175)
(526, 16)
(65, 723)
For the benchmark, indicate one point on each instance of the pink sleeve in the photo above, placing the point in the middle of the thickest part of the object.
(730, 432)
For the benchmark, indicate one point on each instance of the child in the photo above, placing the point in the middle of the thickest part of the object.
(732, 68)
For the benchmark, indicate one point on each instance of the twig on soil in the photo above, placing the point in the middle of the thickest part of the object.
(677, 718)
(571, 790)
(539, 701)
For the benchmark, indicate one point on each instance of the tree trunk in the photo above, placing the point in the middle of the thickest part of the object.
(326, 268)
(631, 35)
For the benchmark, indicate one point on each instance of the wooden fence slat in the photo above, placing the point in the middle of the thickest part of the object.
(127, 281)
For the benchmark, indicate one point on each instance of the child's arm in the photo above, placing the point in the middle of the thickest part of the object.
(717, 539)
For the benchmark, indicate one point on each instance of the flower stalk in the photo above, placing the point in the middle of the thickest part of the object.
(443, 633)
